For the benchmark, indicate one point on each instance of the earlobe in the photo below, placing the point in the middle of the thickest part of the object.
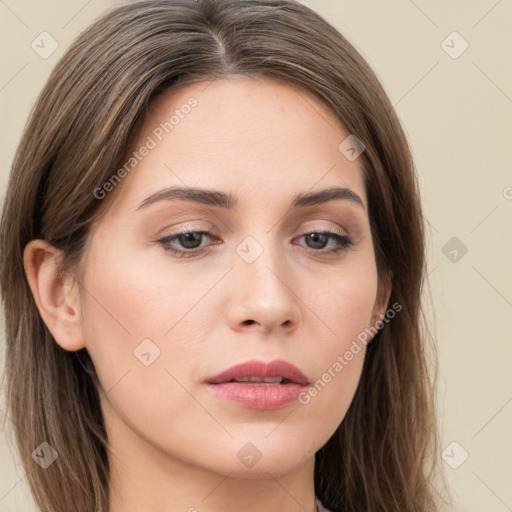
(55, 295)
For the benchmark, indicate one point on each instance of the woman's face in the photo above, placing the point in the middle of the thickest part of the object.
(252, 281)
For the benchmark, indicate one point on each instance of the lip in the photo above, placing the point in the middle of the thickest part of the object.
(254, 368)
(259, 395)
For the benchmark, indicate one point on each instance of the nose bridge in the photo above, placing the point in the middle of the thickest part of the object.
(262, 261)
(264, 283)
(263, 276)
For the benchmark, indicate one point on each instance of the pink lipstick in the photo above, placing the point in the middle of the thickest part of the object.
(259, 384)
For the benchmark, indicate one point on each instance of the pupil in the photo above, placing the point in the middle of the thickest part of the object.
(315, 237)
(190, 240)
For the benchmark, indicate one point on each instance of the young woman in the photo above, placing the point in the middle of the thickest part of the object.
(212, 259)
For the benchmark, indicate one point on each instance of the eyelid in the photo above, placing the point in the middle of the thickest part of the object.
(332, 229)
(212, 230)
(343, 241)
(171, 231)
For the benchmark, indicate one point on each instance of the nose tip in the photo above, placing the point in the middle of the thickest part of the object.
(264, 301)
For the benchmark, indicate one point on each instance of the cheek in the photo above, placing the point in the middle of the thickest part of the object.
(343, 301)
(345, 306)
(130, 307)
(143, 333)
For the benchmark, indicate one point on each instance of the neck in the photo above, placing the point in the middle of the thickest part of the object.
(144, 478)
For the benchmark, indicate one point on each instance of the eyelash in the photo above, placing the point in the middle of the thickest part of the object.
(343, 241)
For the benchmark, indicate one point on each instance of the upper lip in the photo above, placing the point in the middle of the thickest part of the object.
(276, 368)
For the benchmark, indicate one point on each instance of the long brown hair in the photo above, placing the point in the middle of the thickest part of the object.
(384, 455)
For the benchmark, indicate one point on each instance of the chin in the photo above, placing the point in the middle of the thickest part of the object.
(260, 460)
(272, 468)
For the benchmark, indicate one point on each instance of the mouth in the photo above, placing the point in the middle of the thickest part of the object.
(260, 372)
(260, 385)
(265, 381)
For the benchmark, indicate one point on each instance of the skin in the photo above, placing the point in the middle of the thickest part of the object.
(173, 442)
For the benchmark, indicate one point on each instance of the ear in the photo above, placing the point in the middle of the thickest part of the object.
(56, 296)
(382, 299)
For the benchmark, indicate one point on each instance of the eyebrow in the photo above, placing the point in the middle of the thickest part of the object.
(224, 200)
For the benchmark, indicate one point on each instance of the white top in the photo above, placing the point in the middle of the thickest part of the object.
(321, 508)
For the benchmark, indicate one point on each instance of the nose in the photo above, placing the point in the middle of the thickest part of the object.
(262, 297)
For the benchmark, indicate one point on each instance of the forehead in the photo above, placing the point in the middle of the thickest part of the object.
(254, 138)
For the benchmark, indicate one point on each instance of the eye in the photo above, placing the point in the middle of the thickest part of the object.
(319, 240)
(188, 243)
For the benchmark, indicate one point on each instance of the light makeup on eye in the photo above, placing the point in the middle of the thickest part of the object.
(191, 239)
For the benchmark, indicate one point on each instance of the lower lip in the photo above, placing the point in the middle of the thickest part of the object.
(259, 396)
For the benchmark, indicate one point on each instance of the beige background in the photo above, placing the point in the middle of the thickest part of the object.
(458, 116)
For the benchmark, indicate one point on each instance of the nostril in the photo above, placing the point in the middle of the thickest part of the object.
(249, 322)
